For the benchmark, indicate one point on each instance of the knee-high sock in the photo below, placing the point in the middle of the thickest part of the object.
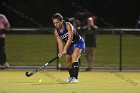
(75, 68)
(71, 72)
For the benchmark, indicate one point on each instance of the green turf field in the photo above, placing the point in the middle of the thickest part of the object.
(36, 49)
(53, 82)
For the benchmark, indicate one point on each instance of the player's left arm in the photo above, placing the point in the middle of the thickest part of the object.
(70, 36)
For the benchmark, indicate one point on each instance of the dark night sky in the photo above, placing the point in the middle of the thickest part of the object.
(30, 13)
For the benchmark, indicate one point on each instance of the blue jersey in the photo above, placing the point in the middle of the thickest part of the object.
(77, 40)
(64, 35)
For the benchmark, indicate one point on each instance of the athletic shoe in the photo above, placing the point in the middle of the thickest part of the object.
(69, 79)
(74, 80)
(6, 65)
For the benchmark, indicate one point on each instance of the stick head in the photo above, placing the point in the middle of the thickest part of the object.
(28, 74)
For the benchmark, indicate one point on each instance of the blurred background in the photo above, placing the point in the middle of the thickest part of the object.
(34, 47)
(120, 13)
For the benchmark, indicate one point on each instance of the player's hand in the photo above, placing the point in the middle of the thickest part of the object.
(62, 53)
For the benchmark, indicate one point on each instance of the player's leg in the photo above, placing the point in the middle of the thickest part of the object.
(75, 64)
(69, 64)
(78, 48)
(76, 53)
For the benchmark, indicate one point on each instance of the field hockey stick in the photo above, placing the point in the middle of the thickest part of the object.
(38, 69)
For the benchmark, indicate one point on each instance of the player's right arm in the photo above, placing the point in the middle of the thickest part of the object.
(59, 41)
